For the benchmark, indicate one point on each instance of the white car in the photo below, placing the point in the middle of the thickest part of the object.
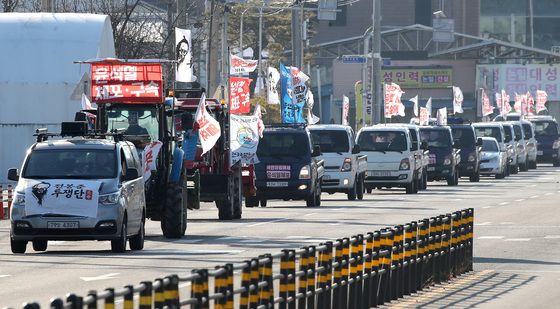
(531, 143)
(511, 147)
(345, 166)
(495, 130)
(520, 145)
(390, 157)
(493, 160)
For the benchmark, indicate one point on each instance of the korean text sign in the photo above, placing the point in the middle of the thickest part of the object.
(418, 77)
(126, 83)
(239, 95)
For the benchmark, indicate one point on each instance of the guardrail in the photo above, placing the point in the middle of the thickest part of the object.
(6, 194)
(361, 271)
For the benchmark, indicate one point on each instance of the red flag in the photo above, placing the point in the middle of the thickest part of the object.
(239, 95)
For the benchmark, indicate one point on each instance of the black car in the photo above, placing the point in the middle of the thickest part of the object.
(444, 157)
(465, 136)
(289, 168)
(547, 133)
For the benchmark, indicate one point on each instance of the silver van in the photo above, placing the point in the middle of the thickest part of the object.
(78, 188)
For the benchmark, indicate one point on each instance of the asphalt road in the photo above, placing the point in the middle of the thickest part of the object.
(517, 243)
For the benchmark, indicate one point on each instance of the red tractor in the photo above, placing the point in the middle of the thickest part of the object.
(209, 176)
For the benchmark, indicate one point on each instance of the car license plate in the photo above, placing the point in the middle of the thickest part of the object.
(539, 152)
(431, 169)
(276, 184)
(63, 225)
(379, 173)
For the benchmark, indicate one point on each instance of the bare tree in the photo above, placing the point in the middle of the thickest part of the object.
(10, 5)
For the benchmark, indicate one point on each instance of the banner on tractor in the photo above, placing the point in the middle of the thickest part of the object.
(239, 95)
(209, 130)
(126, 83)
(244, 137)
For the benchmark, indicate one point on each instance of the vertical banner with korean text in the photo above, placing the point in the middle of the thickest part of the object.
(273, 77)
(345, 110)
(239, 95)
(393, 102)
(541, 100)
(486, 105)
(457, 100)
(424, 116)
(209, 130)
(244, 137)
(183, 55)
(291, 112)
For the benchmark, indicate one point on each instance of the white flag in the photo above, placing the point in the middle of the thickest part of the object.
(457, 100)
(239, 65)
(442, 116)
(415, 108)
(505, 107)
(208, 128)
(345, 109)
(429, 107)
(183, 55)
(311, 119)
(86, 104)
(273, 77)
(310, 99)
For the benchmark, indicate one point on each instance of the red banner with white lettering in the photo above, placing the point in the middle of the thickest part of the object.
(542, 96)
(393, 102)
(126, 83)
(239, 95)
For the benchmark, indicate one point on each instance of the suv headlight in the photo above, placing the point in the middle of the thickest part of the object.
(447, 161)
(19, 199)
(472, 157)
(109, 199)
(305, 172)
(347, 165)
(405, 164)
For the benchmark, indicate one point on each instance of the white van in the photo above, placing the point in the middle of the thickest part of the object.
(390, 157)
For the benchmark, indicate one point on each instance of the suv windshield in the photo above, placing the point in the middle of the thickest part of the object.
(546, 128)
(509, 134)
(134, 119)
(494, 132)
(331, 140)
(436, 138)
(382, 141)
(71, 163)
(465, 136)
(527, 131)
(283, 145)
(489, 146)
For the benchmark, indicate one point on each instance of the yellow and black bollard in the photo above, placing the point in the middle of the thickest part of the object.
(74, 301)
(146, 295)
(288, 281)
(129, 298)
(110, 300)
(93, 304)
(246, 284)
(199, 289)
(311, 261)
(437, 250)
(375, 264)
(396, 264)
(368, 270)
(470, 236)
(423, 250)
(407, 259)
(337, 292)
(325, 276)
(229, 274)
(159, 299)
(344, 272)
(302, 281)
(220, 287)
(58, 303)
(446, 246)
(254, 293)
(266, 294)
(414, 257)
(353, 294)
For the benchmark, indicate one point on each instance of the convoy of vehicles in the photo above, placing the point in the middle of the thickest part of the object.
(78, 187)
(444, 154)
(345, 166)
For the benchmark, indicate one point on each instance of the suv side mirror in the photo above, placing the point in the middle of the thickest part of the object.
(479, 141)
(356, 149)
(13, 174)
(456, 144)
(131, 174)
(316, 151)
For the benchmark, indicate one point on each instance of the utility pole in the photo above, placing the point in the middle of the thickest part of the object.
(171, 8)
(213, 54)
(376, 59)
(224, 80)
(297, 37)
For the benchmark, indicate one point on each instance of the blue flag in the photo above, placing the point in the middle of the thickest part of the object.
(291, 112)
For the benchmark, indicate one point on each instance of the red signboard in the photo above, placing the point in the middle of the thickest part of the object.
(126, 83)
(239, 95)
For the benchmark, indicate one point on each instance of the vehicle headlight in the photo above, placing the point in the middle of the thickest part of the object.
(472, 157)
(109, 199)
(347, 165)
(19, 199)
(245, 173)
(447, 161)
(405, 164)
(556, 145)
(305, 173)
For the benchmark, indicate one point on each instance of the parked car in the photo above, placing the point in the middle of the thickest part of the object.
(345, 166)
(531, 143)
(496, 130)
(547, 133)
(520, 145)
(493, 158)
(78, 189)
(420, 155)
(289, 167)
(444, 154)
(390, 158)
(511, 147)
(465, 136)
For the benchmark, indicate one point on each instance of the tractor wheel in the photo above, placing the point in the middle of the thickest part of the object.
(174, 220)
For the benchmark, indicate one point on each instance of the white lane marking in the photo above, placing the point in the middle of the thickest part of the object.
(187, 241)
(483, 223)
(548, 193)
(520, 200)
(517, 239)
(268, 222)
(298, 237)
(534, 196)
(56, 242)
(506, 223)
(256, 240)
(310, 214)
(532, 186)
(491, 237)
(552, 237)
(102, 277)
(4, 276)
(334, 224)
(486, 207)
(531, 271)
(504, 203)
(457, 199)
